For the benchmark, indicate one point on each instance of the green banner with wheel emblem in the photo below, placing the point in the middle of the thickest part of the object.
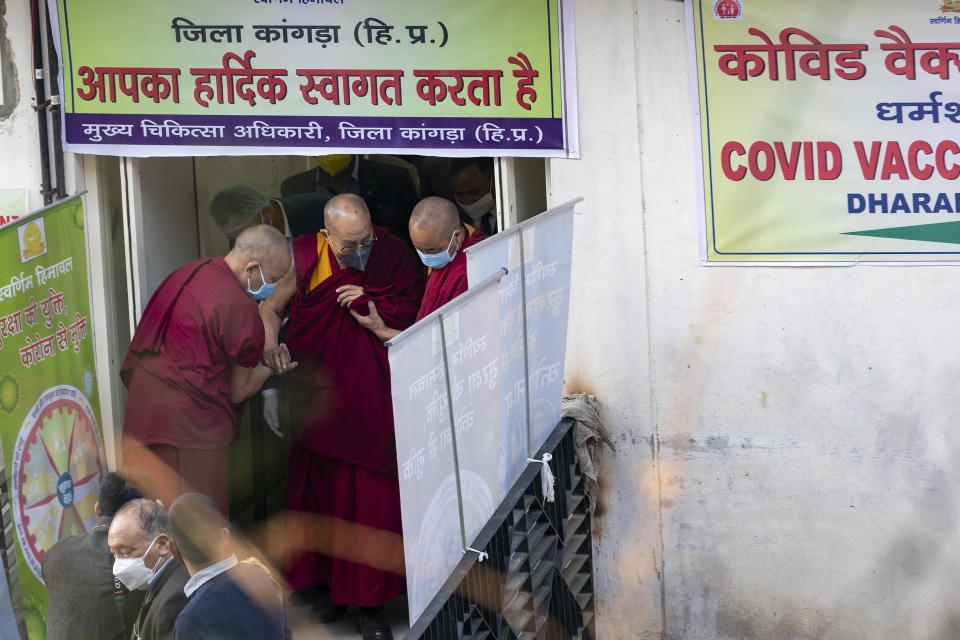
(49, 410)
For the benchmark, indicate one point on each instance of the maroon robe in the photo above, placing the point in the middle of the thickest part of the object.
(443, 285)
(344, 463)
(199, 323)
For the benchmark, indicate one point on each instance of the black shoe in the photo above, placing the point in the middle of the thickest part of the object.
(305, 596)
(326, 611)
(372, 625)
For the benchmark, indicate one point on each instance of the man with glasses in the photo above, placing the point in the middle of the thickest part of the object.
(144, 560)
(342, 486)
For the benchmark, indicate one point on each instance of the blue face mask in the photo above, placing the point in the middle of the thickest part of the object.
(438, 260)
(265, 289)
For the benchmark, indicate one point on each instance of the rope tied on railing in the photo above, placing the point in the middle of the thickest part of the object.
(546, 476)
(482, 556)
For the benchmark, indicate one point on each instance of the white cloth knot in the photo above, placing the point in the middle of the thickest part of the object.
(482, 556)
(546, 476)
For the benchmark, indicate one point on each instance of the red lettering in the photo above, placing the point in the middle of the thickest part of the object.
(893, 162)
(945, 147)
(826, 151)
(735, 174)
(808, 160)
(868, 166)
(789, 165)
(916, 148)
(769, 165)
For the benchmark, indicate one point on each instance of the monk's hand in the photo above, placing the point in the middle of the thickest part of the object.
(348, 293)
(271, 358)
(282, 361)
(287, 363)
(373, 322)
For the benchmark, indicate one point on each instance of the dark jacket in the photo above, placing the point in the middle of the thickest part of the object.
(164, 602)
(78, 573)
(388, 191)
(240, 604)
(304, 212)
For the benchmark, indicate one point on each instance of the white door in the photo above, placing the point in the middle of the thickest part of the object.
(161, 233)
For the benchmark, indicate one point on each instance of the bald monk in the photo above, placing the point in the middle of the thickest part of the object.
(439, 238)
(194, 360)
(343, 463)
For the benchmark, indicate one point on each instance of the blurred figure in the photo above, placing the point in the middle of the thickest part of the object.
(194, 360)
(141, 543)
(387, 189)
(472, 183)
(229, 600)
(435, 177)
(343, 463)
(86, 603)
(236, 209)
(439, 237)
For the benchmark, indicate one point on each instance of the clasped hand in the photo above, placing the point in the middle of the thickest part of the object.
(348, 293)
(279, 359)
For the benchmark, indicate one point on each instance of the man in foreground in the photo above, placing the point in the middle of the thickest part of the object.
(439, 238)
(86, 603)
(343, 464)
(194, 360)
(229, 599)
(140, 541)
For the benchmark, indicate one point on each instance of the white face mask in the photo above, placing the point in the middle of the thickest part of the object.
(133, 572)
(477, 209)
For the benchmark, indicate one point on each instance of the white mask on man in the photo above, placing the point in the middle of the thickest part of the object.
(478, 209)
(133, 572)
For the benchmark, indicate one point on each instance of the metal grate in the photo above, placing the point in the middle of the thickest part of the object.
(537, 583)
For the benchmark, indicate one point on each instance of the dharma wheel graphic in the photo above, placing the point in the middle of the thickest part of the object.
(57, 471)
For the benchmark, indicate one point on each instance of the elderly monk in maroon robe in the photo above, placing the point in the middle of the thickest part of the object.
(439, 238)
(194, 360)
(343, 464)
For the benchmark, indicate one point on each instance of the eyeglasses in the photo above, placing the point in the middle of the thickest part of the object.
(350, 247)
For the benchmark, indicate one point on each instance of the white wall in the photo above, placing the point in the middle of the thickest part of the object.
(785, 435)
(19, 142)
(20, 157)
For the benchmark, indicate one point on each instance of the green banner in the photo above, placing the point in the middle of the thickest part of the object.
(828, 131)
(281, 76)
(49, 413)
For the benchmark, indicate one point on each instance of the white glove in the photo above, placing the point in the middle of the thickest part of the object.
(271, 411)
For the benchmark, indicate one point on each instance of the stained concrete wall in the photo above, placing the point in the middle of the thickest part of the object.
(786, 436)
(19, 142)
(19, 155)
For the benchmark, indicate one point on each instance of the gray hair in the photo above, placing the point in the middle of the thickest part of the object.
(152, 519)
(237, 205)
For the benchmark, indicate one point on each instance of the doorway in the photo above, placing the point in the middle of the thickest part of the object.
(152, 217)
